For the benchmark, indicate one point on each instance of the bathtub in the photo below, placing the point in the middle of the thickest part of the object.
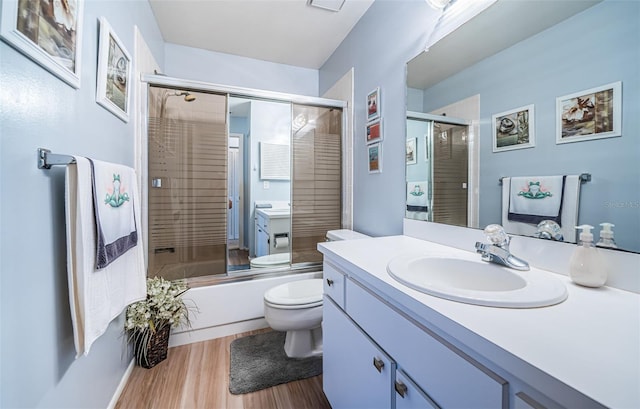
(229, 308)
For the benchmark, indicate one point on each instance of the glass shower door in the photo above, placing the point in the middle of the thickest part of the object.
(316, 197)
(437, 171)
(187, 199)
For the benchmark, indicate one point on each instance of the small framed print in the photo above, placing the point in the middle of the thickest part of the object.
(591, 114)
(411, 152)
(373, 104)
(48, 32)
(114, 73)
(514, 129)
(374, 131)
(374, 152)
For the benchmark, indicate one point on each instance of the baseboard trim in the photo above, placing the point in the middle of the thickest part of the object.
(218, 331)
(121, 385)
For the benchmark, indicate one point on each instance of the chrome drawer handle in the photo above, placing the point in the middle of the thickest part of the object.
(329, 282)
(401, 388)
(378, 363)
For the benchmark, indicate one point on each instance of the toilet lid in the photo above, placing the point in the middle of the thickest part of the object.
(301, 292)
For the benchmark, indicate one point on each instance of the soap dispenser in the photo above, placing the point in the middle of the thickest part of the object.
(586, 266)
(606, 236)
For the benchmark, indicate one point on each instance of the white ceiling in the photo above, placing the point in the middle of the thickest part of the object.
(281, 31)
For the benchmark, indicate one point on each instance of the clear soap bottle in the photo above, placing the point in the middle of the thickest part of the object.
(587, 267)
(606, 236)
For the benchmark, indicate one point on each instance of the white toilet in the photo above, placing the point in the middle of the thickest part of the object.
(270, 260)
(296, 307)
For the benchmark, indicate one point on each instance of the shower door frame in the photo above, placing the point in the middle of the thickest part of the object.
(149, 80)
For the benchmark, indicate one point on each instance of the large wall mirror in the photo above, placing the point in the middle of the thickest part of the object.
(529, 89)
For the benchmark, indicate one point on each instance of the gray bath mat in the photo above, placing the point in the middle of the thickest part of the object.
(259, 362)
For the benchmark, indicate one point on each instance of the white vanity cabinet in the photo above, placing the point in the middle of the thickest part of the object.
(430, 372)
(455, 355)
(272, 231)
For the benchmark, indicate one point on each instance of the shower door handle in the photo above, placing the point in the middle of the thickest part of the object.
(156, 182)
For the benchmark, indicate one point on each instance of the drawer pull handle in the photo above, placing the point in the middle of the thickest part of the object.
(329, 282)
(378, 363)
(401, 388)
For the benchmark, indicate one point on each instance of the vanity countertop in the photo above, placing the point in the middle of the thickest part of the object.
(590, 342)
(275, 213)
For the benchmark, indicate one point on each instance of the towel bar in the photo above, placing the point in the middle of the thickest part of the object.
(46, 159)
(584, 178)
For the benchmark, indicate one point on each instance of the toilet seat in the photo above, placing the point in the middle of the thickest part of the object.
(296, 294)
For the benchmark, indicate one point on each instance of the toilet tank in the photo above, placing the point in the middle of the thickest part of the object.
(344, 234)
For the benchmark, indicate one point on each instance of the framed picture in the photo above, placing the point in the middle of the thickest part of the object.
(591, 114)
(411, 153)
(373, 104)
(374, 131)
(114, 73)
(375, 157)
(48, 32)
(514, 129)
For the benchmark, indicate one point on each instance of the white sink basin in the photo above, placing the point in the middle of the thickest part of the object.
(477, 282)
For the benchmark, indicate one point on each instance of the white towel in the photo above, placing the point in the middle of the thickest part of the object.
(114, 210)
(96, 296)
(417, 196)
(569, 213)
(536, 198)
(417, 201)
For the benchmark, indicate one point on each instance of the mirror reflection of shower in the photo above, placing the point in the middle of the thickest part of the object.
(437, 171)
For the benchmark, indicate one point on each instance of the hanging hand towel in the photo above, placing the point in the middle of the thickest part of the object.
(569, 214)
(537, 198)
(113, 208)
(97, 296)
(417, 197)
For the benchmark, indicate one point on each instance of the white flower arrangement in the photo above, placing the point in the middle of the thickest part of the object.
(164, 306)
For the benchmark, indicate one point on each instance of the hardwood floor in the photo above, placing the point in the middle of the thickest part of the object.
(238, 257)
(197, 376)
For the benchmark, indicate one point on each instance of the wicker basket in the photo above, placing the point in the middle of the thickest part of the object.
(156, 350)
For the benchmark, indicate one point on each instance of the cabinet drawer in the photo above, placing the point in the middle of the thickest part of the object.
(261, 221)
(409, 395)
(333, 283)
(451, 378)
(356, 373)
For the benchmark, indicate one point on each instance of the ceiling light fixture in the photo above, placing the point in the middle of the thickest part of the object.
(332, 5)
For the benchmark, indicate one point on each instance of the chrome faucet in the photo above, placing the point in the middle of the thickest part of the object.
(497, 251)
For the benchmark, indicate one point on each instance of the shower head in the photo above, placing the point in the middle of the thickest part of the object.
(188, 97)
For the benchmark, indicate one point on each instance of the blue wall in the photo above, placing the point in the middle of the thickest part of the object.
(218, 68)
(39, 110)
(390, 33)
(596, 47)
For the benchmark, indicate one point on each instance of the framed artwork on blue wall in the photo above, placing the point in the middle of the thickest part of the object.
(374, 131)
(114, 73)
(514, 129)
(374, 152)
(373, 104)
(590, 114)
(48, 32)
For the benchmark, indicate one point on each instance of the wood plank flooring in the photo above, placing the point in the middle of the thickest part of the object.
(197, 376)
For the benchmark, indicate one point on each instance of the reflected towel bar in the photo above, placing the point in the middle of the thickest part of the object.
(584, 178)
(46, 159)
